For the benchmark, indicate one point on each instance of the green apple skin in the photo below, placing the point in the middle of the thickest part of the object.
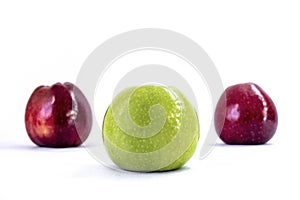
(150, 128)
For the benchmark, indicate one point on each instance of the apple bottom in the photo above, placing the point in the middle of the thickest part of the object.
(164, 159)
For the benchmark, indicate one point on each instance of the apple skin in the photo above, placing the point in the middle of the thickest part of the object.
(58, 116)
(245, 114)
(150, 128)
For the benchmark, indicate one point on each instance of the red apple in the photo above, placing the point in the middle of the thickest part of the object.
(58, 116)
(245, 114)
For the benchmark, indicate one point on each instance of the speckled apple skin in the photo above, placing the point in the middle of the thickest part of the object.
(245, 114)
(58, 116)
(134, 145)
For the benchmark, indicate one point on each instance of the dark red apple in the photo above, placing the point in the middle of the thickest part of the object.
(58, 116)
(245, 114)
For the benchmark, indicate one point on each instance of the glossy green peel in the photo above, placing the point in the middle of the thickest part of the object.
(150, 128)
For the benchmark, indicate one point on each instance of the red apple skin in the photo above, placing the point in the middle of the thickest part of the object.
(58, 116)
(245, 114)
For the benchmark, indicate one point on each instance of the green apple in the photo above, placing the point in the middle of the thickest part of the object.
(150, 128)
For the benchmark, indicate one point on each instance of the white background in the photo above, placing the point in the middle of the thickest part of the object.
(44, 43)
